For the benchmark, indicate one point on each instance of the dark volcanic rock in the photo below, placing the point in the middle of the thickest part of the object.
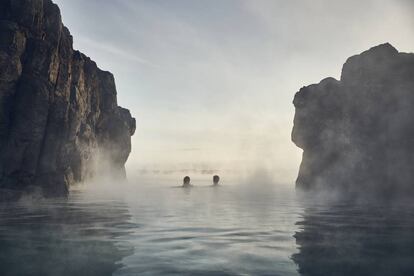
(358, 133)
(58, 110)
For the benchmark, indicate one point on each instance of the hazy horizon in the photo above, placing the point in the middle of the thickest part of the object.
(211, 83)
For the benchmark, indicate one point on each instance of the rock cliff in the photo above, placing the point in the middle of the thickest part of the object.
(358, 133)
(59, 116)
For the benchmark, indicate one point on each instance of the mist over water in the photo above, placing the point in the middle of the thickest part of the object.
(211, 231)
(247, 226)
(79, 235)
(211, 85)
(355, 239)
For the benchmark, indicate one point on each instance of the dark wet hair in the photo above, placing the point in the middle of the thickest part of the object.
(216, 179)
(186, 180)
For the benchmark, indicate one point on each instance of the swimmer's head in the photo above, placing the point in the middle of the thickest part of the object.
(216, 179)
(186, 181)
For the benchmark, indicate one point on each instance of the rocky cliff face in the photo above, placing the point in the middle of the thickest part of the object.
(358, 133)
(58, 110)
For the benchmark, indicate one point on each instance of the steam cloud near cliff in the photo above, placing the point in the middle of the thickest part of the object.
(211, 82)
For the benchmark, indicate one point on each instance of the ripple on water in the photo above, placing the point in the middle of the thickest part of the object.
(210, 233)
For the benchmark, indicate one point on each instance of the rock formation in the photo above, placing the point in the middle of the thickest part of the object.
(58, 110)
(358, 133)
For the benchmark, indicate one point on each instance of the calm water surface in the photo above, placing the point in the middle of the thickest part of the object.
(229, 230)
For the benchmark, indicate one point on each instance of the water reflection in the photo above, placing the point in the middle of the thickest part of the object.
(343, 239)
(228, 230)
(76, 236)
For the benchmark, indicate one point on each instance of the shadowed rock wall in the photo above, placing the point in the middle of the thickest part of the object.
(58, 110)
(358, 133)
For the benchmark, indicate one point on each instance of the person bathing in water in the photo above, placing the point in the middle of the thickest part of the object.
(216, 180)
(186, 182)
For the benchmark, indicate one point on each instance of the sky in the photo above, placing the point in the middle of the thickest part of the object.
(211, 82)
